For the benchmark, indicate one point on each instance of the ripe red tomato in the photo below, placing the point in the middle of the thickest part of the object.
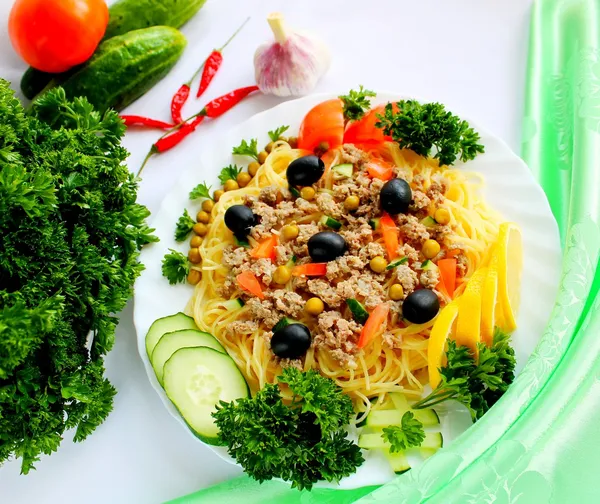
(364, 130)
(324, 124)
(55, 35)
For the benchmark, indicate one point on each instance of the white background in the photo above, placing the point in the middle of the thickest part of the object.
(469, 54)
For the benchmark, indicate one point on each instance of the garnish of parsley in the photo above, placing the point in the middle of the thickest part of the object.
(275, 134)
(200, 191)
(409, 434)
(356, 103)
(175, 267)
(229, 173)
(184, 226)
(431, 131)
(247, 149)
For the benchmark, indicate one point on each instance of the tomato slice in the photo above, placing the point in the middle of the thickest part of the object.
(310, 269)
(323, 126)
(265, 249)
(447, 269)
(364, 130)
(248, 281)
(374, 325)
(390, 235)
(380, 170)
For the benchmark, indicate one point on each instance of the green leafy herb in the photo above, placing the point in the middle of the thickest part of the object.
(175, 267)
(277, 132)
(247, 149)
(302, 442)
(230, 173)
(422, 127)
(200, 191)
(356, 103)
(184, 226)
(477, 385)
(70, 234)
(408, 435)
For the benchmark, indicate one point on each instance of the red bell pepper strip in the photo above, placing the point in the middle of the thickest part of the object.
(447, 269)
(265, 249)
(248, 281)
(310, 269)
(390, 235)
(374, 325)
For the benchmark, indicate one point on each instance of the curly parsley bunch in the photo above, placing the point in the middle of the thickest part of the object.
(70, 234)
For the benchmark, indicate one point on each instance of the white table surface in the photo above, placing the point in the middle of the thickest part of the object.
(468, 54)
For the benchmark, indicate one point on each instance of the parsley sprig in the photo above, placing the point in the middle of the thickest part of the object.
(229, 173)
(275, 134)
(247, 149)
(407, 435)
(175, 267)
(200, 191)
(184, 226)
(429, 126)
(302, 442)
(356, 103)
(476, 384)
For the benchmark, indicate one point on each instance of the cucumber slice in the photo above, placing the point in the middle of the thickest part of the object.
(233, 304)
(342, 171)
(428, 222)
(330, 222)
(374, 223)
(359, 312)
(396, 263)
(428, 265)
(374, 441)
(173, 341)
(398, 461)
(295, 192)
(164, 325)
(385, 418)
(427, 452)
(195, 380)
(241, 243)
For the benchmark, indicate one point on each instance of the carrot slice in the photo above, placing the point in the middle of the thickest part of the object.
(390, 235)
(380, 170)
(447, 269)
(248, 281)
(265, 249)
(374, 325)
(310, 269)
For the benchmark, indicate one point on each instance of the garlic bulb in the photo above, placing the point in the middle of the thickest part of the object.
(292, 65)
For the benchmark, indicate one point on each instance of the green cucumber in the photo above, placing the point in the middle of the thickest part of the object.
(396, 263)
(123, 68)
(295, 192)
(330, 222)
(374, 441)
(233, 304)
(124, 16)
(241, 243)
(374, 223)
(129, 15)
(359, 312)
(173, 341)
(164, 325)
(291, 262)
(398, 461)
(342, 171)
(385, 418)
(195, 380)
(428, 265)
(428, 222)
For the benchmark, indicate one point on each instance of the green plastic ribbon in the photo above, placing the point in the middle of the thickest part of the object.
(546, 415)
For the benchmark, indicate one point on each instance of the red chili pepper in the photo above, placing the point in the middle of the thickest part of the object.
(178, 102)
(211, 66)
(171, 140)
(222, 104)
(134, 120)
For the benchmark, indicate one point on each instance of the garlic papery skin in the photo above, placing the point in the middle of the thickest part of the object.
(292, 64)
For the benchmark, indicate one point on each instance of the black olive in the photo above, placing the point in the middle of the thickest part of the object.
(420, 306)
(291, 342)
(326, 246)
(305, 171)
(240, 219)
(395, 196)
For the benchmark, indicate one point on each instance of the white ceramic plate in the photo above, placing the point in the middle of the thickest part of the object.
(510, 189)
